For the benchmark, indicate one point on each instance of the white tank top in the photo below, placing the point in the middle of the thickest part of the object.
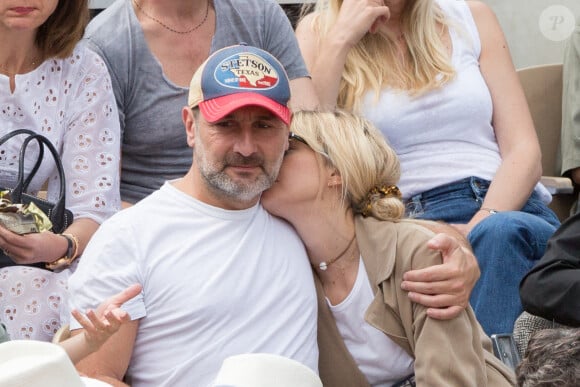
(446, 134)
(378, 357)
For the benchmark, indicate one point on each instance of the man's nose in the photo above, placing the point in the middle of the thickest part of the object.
(246, 143)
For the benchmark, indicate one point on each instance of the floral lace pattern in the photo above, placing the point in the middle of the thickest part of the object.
(32, 302)
(71, 102)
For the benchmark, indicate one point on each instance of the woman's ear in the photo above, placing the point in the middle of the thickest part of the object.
(334, 179)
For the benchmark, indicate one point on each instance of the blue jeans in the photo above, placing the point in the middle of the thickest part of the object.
(506, 244)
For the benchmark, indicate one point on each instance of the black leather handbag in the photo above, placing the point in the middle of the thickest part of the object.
(60, 217)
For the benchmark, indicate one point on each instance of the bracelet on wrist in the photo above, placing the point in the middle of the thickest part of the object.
(490, 210)
(72, 251)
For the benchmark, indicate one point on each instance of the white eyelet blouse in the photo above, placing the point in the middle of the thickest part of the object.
(71, 102)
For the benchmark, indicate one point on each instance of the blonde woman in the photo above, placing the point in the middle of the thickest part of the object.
(337, 187)
(436, 78)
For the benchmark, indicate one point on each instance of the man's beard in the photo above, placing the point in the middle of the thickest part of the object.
(240, 189)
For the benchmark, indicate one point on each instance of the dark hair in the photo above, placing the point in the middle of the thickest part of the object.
(552, 359)
(61, 32)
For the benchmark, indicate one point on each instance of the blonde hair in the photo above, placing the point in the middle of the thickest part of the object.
(374, 63)
(359, 152)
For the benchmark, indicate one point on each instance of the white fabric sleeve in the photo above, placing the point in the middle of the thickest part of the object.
(91, 143)
(109, 264)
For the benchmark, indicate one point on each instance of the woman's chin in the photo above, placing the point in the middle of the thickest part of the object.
(270, 203)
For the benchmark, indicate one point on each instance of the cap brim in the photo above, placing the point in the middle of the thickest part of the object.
(217, 108)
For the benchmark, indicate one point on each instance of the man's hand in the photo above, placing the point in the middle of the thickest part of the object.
(445, 288)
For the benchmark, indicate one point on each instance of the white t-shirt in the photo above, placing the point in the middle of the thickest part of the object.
(379, 358)
(216, 283)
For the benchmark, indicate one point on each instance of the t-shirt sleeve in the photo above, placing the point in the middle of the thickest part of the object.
(281, 42)
(117, 53)
(91, 143)
(109, 265)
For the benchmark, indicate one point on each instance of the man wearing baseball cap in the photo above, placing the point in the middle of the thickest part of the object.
(220, 275)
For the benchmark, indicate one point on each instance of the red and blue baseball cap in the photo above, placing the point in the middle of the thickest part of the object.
(239, 76)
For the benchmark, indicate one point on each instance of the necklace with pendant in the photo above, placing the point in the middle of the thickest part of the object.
(324, 264)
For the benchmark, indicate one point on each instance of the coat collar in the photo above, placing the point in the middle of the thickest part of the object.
(377, 241)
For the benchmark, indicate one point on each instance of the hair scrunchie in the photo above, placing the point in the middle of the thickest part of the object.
(382, 191)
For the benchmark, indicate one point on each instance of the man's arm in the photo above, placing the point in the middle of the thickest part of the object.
(110, 363)
(552, 288)
(570, 139)
(444, 289)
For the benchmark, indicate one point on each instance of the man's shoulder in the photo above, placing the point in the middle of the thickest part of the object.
(257, 11)
(248, 5)
(152, 206)
(112, 21)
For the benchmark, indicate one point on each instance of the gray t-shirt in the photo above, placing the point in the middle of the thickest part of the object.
(154, 147)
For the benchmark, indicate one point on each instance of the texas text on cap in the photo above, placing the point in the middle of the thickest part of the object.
(239, 76)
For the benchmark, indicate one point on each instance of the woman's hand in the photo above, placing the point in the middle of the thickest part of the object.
(32, 248)
(325, 57)
(444, 289)
(99, 325)
(356, 18)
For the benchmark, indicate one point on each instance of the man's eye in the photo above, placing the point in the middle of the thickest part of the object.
(225, 123)
(264, 125)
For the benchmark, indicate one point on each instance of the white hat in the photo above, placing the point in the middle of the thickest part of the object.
(30, 363)
(264, 370)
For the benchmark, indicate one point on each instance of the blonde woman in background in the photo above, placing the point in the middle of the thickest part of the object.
(337, 187)
(436, 78)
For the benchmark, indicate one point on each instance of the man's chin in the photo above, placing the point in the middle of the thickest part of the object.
(244, 191)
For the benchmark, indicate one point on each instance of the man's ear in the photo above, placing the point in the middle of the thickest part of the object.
(189, 122)
(334, 179)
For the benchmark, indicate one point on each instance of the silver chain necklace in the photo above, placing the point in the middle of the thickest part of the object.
(172, 29)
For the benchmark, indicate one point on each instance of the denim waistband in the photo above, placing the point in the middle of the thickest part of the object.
(471, 183)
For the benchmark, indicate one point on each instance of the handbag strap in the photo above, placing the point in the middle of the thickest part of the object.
(34, 169)
(21, 185)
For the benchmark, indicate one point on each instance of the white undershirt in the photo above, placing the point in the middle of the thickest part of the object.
(381, 360)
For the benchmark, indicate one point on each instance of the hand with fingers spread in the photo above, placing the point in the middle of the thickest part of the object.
(100, 325)
(445, 288)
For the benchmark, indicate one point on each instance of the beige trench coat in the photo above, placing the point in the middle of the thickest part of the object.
(447, 353)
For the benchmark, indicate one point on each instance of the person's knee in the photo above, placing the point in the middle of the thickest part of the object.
(512, 225)
(512, 230)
